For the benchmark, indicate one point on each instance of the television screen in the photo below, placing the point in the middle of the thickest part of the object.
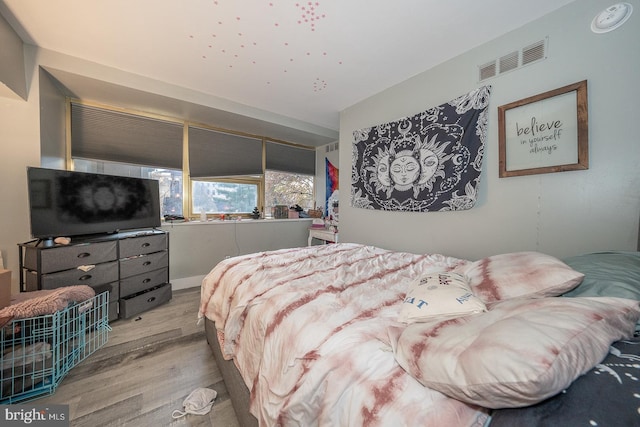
(67, 203)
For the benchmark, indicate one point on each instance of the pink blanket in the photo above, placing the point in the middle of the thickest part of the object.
(308, 329)
(37, 303)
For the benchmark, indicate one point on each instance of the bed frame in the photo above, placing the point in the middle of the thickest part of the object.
(233, 381)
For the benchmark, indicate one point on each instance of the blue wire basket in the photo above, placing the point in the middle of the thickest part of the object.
(36, 353)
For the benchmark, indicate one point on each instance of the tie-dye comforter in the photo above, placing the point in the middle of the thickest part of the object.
(308, 329)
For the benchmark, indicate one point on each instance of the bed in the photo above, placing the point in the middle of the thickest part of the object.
(354, 335)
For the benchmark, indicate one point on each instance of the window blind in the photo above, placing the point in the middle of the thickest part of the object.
(215, 154)
(289, 158)
(101, 134)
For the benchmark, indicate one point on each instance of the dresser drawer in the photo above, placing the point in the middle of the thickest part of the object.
(140, 282)
(113, 288)
(64, 257)
(102, 273)
(143, 263)
(141, 245)
(138, 303)
(113, 310)
(114, 296)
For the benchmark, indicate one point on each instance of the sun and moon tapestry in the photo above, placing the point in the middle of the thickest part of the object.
(427, 162)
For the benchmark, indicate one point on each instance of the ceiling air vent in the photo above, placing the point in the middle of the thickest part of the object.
(527, 55)
(331, 147)
(509, 62)
(533, 52)
(487, 70)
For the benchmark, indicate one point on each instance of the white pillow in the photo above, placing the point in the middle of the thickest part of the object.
(519, 275)
(439, 295)
(519, 353)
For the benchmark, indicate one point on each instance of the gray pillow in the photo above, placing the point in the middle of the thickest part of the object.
(610, 274)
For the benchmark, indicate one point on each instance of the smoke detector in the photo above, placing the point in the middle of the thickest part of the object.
(611, 18)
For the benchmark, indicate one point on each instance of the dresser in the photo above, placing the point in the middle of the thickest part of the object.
(132, 266)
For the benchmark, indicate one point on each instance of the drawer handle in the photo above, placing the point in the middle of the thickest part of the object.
(84, 255)
(85, 277)
(152, 299)
(147, 280)
(146, 263)
(146, 244)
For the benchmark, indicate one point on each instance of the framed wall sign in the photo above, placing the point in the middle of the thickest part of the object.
(545, 133)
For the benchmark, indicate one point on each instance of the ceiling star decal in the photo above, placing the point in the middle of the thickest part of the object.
(309, 14)
(319, 85)
(231, 40)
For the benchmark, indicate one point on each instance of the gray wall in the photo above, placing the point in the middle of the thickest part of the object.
(19, 145)
(12, 76)
(560, 213)
(52, 123)
(196, 247)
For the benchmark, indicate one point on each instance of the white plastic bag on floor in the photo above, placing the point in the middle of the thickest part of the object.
(199, 402)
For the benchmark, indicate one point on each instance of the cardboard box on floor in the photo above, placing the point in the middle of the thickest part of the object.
(5, 288)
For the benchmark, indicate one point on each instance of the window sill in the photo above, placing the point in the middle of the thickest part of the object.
(230, 221)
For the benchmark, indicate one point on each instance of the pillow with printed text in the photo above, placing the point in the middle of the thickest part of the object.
(439, 295)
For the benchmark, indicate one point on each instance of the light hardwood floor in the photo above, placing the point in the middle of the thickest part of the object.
(149, 365)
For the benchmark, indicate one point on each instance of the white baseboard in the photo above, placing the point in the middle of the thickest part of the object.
(187, 282)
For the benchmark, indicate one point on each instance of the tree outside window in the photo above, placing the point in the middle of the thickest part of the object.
(282, 188)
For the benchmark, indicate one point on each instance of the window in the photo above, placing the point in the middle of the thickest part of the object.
(284, 188)
(115, 136)
(289, 175)
(170, 180)
(229, 172)
(224, 197)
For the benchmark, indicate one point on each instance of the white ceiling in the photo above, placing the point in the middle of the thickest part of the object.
(305, 60)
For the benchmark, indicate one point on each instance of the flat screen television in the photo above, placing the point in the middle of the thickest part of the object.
(67, 203)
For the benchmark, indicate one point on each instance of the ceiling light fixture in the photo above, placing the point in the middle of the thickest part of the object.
(611, 18)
